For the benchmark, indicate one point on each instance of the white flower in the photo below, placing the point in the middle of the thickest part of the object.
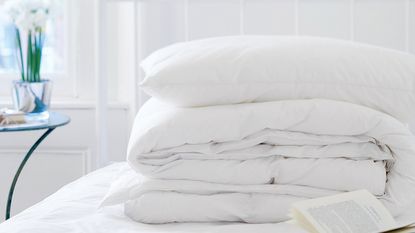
(34, 5)
(40, 18)
(12, 9)
(29, 15)
(24, 21)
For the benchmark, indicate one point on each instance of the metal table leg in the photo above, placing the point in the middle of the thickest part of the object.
(19, 170)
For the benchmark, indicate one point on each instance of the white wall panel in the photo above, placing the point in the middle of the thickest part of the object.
(213, 18)
(381, 22)
(328, 18)
(411, 26)
(163, 23)
(119, 132)
(46, 172)
(269, 17)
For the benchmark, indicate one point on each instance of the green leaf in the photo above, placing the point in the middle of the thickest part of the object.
(35, 42)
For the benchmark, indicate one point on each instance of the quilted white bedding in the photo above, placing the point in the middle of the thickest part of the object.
(249, 162)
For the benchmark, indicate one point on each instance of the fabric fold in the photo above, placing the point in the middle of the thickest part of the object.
(227, 161)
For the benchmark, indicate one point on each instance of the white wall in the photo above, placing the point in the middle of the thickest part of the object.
(388, 23)
(70, 152)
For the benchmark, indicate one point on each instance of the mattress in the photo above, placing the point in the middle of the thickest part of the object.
(75, 209)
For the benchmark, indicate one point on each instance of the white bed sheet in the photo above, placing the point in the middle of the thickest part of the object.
(74, 208)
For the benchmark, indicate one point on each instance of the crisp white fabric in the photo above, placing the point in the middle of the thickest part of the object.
(282, 161)
(193, 201)
(74, 209)
(242, 69)
(237, 155)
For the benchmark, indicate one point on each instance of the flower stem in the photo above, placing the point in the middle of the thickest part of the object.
(40, 51)
(29, 58)
(20, 54)
(35, 58)
(38, 54)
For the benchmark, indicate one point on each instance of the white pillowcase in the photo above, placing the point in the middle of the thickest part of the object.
(242, 69)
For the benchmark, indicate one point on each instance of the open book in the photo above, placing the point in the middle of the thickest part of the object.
(11, 119)
(351, 212)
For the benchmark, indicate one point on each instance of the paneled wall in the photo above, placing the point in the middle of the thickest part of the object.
(387, 23)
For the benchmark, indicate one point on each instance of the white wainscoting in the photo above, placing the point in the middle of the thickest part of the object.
(46, 172)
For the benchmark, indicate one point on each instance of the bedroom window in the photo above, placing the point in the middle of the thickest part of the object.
(54, 56)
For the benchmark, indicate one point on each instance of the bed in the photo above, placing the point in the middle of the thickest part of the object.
(74, 208)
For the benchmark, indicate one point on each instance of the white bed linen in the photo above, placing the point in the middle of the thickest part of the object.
(74, 209)
(244, 69)
(248, 148)
(253, 144)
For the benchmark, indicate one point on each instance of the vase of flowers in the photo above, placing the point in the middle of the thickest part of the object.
(31, 94)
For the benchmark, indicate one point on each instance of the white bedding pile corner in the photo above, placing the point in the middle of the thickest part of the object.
(249, 162)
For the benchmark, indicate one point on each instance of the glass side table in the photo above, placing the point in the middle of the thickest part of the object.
(55, 120)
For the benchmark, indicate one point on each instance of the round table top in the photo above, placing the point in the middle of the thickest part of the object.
(55, 120)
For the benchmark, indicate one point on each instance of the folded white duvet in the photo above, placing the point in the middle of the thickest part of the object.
(249, 162)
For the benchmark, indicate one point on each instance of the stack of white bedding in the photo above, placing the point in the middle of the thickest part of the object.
(200, 158)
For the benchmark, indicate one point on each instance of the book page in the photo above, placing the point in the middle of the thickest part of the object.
(403, 230)
(351, 212)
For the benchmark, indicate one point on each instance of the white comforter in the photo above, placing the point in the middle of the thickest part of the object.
(250, 162)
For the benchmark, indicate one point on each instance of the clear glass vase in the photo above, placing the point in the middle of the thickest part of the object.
(32, 98)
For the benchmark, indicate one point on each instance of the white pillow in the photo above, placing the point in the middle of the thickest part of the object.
(241, 69)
